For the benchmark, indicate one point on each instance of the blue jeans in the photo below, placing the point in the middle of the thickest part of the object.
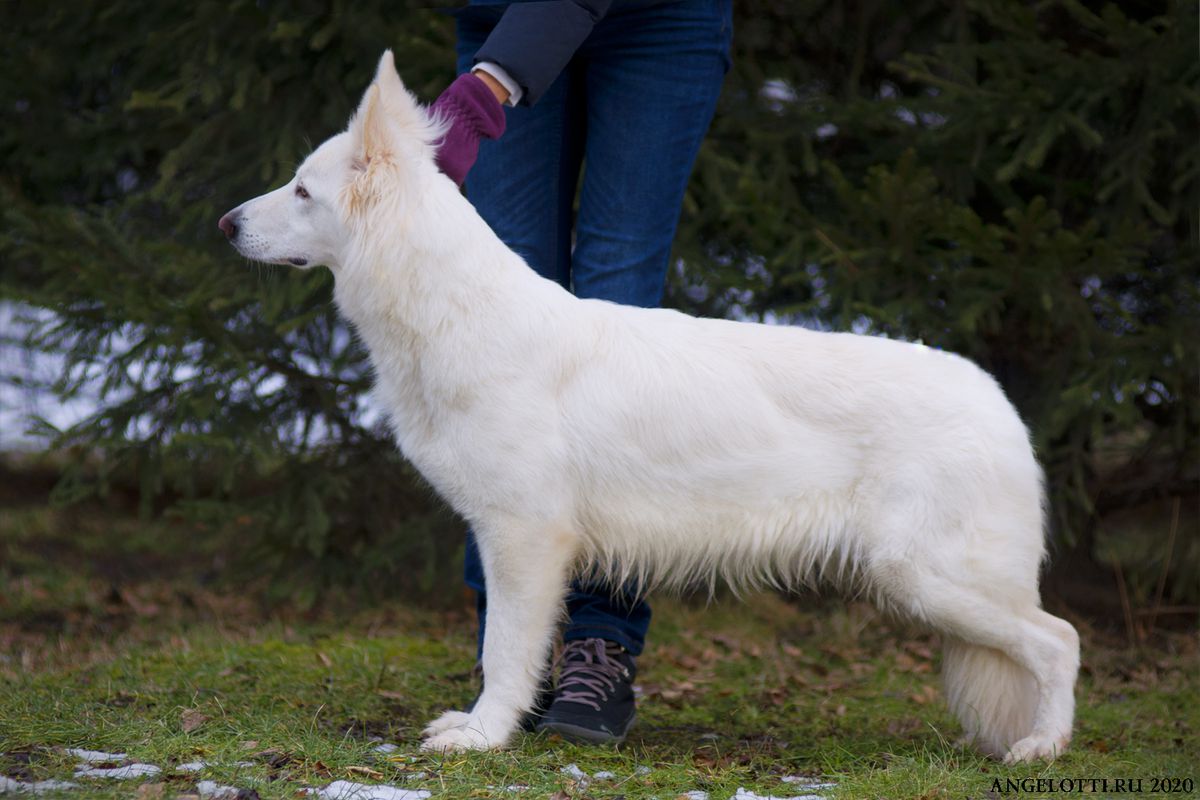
(633, 106)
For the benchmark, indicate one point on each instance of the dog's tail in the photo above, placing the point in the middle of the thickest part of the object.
(993, 696)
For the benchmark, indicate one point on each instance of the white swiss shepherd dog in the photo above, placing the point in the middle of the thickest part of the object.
(647, 444)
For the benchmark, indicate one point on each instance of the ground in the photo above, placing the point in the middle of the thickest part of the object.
(122, 636)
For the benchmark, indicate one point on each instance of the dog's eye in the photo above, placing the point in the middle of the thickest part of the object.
(301, 192)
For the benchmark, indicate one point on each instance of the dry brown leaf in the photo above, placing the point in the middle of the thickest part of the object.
(149, 791)
(141, 608)
(370, 773)
(927, 695)
(192, 718)
(904, 726)
(324, 659)
(388, 694)
(919, 650)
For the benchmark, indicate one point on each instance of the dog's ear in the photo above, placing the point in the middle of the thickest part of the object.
(371, 127)
(387, 114)
(402, 108)
(390, 85)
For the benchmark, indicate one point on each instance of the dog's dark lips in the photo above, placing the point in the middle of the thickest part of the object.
(297, 262)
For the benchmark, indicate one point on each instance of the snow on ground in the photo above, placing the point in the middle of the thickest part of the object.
(118, 773)
(346, 790)
(745, 794)
(211, 790)
(10, 786)
(95, 756)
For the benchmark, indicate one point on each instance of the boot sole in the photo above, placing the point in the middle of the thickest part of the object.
(580, 734)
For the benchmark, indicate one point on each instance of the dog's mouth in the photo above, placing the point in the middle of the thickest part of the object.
(295, 261)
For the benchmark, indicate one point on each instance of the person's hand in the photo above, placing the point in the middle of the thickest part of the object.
(474, 112)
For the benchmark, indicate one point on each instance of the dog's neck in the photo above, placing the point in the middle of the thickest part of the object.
(438, 298)
(420, 261)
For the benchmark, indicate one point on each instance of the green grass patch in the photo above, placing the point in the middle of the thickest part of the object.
(126, 641)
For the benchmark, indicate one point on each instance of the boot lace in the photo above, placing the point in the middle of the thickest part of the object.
(590, 670)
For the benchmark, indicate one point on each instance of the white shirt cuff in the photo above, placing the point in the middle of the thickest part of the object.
(504, 79)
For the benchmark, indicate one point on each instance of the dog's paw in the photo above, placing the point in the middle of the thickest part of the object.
(1035, 747)
(455, 739)
(447, 721)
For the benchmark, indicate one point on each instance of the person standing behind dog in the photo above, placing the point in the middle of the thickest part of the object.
(627, 88)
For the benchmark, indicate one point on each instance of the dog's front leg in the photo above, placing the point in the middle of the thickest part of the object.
(526, 569)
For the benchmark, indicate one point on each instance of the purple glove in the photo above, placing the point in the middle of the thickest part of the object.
(473, 113)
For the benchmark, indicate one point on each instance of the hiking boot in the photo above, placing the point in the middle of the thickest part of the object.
(594, 699)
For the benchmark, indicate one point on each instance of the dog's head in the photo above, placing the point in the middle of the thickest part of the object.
(310, 221)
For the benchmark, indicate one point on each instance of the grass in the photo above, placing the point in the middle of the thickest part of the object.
(120, 635)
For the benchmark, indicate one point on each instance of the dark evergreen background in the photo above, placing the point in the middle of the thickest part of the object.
(1015, 181)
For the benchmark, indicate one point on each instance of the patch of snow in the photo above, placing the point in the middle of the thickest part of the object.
(604, 775)
(777, 93)
(211, 790)
(695, 794)
(191, 766)
(642, 769)
(8, 785)
(118, 773)
(95, 756)
(807, 783)
(348, 790)
(385, 748)
(743, 794)
(574, 771)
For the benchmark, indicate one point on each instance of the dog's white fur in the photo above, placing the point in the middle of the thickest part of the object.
(579, 434)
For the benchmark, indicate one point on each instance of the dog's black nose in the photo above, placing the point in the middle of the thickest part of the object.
(228, 225)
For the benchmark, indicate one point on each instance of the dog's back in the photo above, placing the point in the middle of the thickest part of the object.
(765, 453)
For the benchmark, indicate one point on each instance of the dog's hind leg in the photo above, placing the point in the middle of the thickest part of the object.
(526, 567)
(1010, 667)
(1055, 715)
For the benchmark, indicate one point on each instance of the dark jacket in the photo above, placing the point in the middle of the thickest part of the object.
(534, 41)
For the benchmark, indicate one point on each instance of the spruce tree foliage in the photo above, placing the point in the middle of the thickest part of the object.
(1017, 182)
(231, 391)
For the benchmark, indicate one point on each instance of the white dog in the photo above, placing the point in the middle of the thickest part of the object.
(579, 434)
